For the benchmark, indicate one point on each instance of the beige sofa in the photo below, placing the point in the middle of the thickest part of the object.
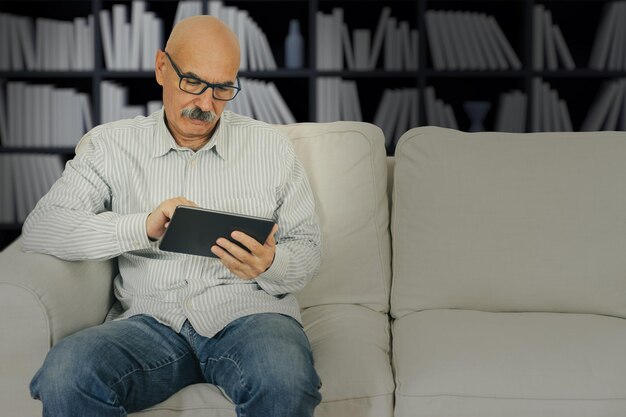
(509, 279)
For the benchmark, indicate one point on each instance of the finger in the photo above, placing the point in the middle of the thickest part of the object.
(249, 242)
(236, 251)
(230, 262)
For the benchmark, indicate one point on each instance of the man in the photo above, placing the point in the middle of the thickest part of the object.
(181, 319)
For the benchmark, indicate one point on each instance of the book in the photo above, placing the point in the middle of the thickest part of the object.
(612, 118)
(600, 107)
(380, 117)
(379, 36)
(118, 12)
(26, 39)
(434, 40)
(606, 29)
(432, 118)
(285, 114)
(7, 208)
(478, 28)
(134, 58)
(504, 44)
(538, 43)
(565, 117)
(5, 56)
(4, 127)
(107, 38)
(446, 40)
(536, 105)
(458, 41)
(549, 43)
(492, 40)
(616, 51)
(563, 52)
(347, 48)
(361, 48)
(474, 53)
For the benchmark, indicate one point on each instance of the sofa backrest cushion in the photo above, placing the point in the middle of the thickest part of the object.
(509, 222)
(347, 168)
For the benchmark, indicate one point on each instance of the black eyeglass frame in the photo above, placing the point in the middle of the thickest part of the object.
(207, 85)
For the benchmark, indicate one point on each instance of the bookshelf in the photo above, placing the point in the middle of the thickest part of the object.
(579, 22)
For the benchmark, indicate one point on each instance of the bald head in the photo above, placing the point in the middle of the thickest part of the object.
(204, 35)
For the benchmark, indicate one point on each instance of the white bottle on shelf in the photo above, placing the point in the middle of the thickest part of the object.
(294, 46)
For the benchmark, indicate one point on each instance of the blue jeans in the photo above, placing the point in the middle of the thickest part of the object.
(263, 362)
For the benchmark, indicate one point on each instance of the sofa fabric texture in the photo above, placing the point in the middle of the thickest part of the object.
(508, 261)
(470, 275)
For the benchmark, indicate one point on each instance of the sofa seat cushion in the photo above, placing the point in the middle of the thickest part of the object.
(351, 351)
(198, 400)
(478, 364)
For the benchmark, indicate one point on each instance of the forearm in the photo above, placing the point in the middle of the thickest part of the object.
(79, 235)
(295, 264)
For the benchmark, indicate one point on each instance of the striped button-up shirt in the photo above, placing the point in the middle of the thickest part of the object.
(97, 210)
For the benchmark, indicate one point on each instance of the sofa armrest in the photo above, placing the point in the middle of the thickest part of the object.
(43, 299)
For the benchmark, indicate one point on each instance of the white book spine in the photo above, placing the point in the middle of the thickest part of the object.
(337, 46)
(443, 24)
(361, 48)
(347, 48)
(504, 44)
(536, 105)
(7, 197)
(4, 127)
(470, 43)
(380, 115)
(27, 42)
(492, 41)
(285, 114)
(563, 51)
(606, 28)
(379, 36)
(106, 34)
(137, 10)
(118, 12)
(538, 43)
(565, 117)
(5, 57)
(615, 109)
(550, 47)
(459, 43)
(600, 107)
(477, 27)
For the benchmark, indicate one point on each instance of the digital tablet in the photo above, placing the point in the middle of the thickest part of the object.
(193, 230)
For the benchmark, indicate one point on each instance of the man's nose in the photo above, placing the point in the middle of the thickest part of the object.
(205, 100)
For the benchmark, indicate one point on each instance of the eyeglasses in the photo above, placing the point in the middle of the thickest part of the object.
(196, 86)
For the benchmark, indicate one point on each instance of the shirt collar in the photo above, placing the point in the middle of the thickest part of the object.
(166, 142)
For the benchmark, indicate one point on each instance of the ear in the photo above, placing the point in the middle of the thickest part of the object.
(159, 67)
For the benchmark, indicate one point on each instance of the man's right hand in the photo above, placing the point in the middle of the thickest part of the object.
(159, 219)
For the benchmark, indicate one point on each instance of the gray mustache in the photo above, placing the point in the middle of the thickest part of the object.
(197, 114)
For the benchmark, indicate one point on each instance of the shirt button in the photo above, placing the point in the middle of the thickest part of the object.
(185, 282)
(189, 304)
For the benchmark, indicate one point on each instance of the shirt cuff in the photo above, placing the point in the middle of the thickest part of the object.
(131, 232)
(271, 280)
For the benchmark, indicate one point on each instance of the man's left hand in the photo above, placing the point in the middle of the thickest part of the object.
(246, 265)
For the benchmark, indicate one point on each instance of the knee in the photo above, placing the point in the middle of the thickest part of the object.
(290, 376)
(65, 370)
